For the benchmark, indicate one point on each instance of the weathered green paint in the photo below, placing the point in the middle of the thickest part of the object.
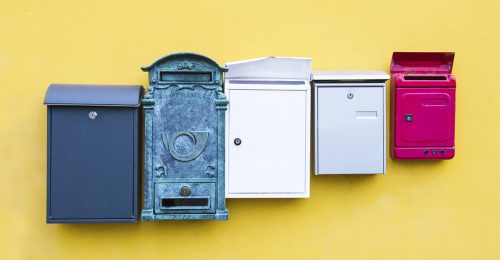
(184, 138)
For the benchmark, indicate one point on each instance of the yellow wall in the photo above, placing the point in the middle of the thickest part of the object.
(440, 210)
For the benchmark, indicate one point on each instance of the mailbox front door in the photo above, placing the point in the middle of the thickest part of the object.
(84, 184)
(186, 133)
(350, 129)
(267, 146)
(425, 117)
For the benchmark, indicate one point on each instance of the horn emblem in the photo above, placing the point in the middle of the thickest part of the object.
(199, 138)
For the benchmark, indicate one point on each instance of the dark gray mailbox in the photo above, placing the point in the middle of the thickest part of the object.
(184, 139)
(93, 152)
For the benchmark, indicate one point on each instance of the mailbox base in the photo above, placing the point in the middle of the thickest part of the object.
(97, 220)
(219, 215)
(147, 215)
(423, 153)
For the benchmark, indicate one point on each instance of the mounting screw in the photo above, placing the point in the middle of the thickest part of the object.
(92, 115)
(237, 141)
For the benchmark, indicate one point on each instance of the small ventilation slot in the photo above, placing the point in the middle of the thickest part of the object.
(425, 78)
(184, 202)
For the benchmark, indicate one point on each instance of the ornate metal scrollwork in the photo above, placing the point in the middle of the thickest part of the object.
(210, 171)
(160, 172)
(184, 65)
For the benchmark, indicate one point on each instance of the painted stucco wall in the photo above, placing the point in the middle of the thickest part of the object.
(419, 210)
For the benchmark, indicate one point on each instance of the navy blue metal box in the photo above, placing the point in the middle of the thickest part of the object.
(93, 153)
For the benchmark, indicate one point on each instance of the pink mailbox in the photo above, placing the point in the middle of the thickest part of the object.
(423, 101)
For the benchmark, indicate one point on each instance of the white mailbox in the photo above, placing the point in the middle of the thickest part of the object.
(268, 128)
(350, 122)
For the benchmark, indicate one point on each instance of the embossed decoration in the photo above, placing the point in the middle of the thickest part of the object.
(185, 65)
(161, 171)
(199, 138)
(210, 170)
(184, 127)
(154, 77)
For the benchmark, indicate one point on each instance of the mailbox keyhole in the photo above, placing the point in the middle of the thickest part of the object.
(92, 115)
(185, 191)
(350, 95)
(408, 117)
(237, 141)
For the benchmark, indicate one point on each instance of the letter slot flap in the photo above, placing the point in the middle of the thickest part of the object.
(186, 197)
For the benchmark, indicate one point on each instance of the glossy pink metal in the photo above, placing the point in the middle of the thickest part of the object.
(423, 104)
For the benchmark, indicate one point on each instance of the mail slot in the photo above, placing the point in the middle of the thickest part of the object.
(349, 122)
(183, 197)
(423, 94)
(93, 147)
(184, 139)
(268, 128)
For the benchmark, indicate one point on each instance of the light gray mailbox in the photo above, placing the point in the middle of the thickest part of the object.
(184, 139)
(349, 122)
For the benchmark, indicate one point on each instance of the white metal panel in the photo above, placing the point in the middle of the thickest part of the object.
(270, 68)
(350, 132)
(266, 84)
(273, 158)
(349, 75)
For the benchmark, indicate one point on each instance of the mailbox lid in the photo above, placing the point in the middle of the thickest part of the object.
(349, 76)
(270, 68)
(425, 117)
(93, 95)
(422, 62)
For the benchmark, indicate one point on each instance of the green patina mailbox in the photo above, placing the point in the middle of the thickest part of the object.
(184, 139)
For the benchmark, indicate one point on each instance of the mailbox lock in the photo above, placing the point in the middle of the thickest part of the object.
(237, 141)
(408, 117)
(350, 95)
(185, 191)
(92, 115)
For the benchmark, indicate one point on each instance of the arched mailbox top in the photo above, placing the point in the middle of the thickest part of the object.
(167, 60)
(184, 70)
